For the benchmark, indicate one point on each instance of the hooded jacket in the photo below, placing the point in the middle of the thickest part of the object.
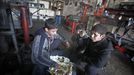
(96, 53)
(43, 47)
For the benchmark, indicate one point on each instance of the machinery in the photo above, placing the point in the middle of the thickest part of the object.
(15, 21)
(124, 17)
(124, 45)
(122, 36)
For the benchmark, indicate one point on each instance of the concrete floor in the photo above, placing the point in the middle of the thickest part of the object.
(118, 65)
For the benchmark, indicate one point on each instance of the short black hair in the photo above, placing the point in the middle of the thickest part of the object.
(80, 26)
(50, 24)
(99, 28)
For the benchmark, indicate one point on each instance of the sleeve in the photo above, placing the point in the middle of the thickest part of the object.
(74, 40)
(57, 36)
(63, 41)
(40, 56)
(84, 44)
(99, 59)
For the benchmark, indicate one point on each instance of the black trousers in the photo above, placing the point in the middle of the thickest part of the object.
(90, 70)
(40, 70)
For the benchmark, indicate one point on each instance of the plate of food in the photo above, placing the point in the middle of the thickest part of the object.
(64, 68)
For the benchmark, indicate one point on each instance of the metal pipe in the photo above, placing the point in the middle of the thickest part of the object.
(24, 23)
(85, 10)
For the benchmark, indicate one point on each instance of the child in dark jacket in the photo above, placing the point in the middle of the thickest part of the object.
(77, 40)
(46, 44)
(97, 49)
(78, 35)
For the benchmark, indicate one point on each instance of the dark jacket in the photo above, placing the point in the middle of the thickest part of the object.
(77, 40)
(43, 47)
(96, 53)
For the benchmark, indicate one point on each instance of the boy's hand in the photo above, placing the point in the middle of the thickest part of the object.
(67, 44)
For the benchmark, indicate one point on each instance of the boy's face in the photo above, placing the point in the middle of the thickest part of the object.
(52, 32)
(95, 36)
(78, 31)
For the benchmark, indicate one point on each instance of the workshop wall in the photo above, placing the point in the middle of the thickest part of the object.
(71, 8)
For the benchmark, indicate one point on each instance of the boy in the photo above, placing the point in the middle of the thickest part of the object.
(46, 44)
(79, 35)
(97, 49)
